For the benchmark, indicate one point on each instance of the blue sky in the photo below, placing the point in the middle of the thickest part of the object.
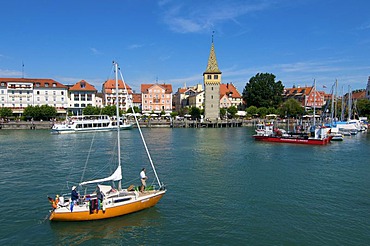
(169, 40)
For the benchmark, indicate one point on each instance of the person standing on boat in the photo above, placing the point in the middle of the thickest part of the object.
(143, 179)
(74, 197)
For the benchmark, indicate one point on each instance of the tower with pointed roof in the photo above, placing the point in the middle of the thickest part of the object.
(212, 81)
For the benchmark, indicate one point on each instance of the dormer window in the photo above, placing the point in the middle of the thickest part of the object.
(83, 85)
(37, 84)
(2, 84)
(54, 85)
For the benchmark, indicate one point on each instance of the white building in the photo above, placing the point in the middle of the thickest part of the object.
(81, 94)
(19, 93)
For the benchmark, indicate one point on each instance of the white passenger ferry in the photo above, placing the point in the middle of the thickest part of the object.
(88, 123)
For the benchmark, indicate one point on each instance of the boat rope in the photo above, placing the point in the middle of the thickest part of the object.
(88, 157)
(141, 134)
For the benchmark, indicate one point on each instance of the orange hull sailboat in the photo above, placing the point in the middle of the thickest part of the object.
(107, 201)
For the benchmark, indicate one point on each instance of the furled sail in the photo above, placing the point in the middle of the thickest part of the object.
(116, 176)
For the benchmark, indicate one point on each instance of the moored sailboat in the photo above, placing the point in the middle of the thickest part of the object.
(107, 201)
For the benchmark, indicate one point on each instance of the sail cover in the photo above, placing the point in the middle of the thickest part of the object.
(116, 176)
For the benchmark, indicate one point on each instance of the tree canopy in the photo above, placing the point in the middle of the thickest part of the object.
(263, 91)
(291, 108)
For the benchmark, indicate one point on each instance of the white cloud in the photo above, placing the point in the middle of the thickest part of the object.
(134, 46)
(95, 51)
(187, 17)
(10, 73)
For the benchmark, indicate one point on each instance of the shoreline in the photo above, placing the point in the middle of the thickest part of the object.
(44, 125)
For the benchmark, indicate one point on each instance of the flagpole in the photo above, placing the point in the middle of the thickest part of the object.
(22, 70)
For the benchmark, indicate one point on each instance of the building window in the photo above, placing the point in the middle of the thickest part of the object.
(76, 98)
(46, 93)
(209, 76)
(37, 84)
(54, 93)
(38, 92)
(77, 105)
(46, 84)
(62, 93)
(54, 85)
(83, 97)
(215, 77)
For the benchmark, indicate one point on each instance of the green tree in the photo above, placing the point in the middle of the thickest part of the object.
(363, 107)
(262, 112)
(194, 112)
(232, 110)
(263, 91)
(90, 110)
(291, 108)
(271, 110)
(47, 112)
(109, 110)
(223, 112)
(6, 112)
(252, 110)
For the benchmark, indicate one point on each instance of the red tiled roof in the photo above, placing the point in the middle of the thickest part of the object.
(145, 87)
(359, 94)
(229, 90)
(302, 90)
(41, 82)
(136, 98)
(111, 84)
(82, 86)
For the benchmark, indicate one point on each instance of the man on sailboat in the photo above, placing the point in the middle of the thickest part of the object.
(74, 197)
(143, 179)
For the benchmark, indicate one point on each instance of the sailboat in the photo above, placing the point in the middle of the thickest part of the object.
(107, 201)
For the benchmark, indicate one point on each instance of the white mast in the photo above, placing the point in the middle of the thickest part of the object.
(118, 123)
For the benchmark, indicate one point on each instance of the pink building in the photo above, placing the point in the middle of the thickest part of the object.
(156, 98)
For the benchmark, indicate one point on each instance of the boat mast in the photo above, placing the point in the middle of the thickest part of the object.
(349, 103)
(118, 124)
(141, 134)
(314, 103)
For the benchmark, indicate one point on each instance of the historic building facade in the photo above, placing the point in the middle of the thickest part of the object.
(19, 93)
(212, 81)
(124, 94)
(156, 98)
(81, 95)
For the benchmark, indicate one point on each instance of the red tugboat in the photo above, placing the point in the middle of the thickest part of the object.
(268, 133)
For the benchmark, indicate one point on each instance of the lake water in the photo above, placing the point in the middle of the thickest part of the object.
(223, 188)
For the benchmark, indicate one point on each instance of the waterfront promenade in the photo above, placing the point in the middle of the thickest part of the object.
(38, 125)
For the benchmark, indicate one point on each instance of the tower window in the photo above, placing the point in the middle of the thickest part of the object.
(216, 76)
(209, 76)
